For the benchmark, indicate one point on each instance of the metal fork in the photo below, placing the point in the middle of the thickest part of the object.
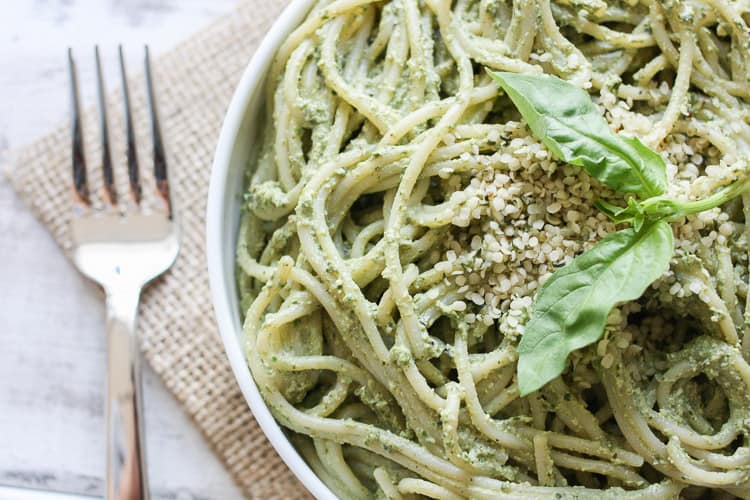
(122, 249)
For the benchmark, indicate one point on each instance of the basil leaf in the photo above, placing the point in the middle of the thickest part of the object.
(617, 214)
(565, 119)
(634, 213)
(572, 307)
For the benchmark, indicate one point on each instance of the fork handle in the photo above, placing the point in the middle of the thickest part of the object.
(126, 464)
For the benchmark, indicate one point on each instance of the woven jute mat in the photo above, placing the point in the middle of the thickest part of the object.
(195, 82)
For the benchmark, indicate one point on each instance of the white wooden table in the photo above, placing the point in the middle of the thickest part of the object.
(52, 347)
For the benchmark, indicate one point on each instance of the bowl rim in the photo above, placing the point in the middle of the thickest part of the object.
(252, 78)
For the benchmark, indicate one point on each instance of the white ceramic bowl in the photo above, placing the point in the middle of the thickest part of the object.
(237, 144)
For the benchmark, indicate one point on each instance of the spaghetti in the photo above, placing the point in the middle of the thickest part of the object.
(400, 219)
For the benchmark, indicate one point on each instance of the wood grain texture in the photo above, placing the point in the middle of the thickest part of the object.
(52, 347)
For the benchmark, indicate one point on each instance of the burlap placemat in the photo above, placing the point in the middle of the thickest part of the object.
(179, 336)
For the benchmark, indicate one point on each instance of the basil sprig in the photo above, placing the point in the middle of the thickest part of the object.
(571, 309)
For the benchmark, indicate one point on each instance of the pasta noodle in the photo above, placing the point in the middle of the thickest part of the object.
(400, 218)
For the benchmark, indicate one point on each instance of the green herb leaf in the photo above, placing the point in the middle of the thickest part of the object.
(616, 213)
(634, 213)
(572, 307)
(565, 119)
(609, 209)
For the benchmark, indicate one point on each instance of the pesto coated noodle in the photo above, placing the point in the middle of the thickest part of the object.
(400, 219)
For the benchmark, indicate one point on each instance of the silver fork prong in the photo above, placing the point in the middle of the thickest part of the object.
(132, 155)
(110, 194)
(160, 159)
(80, 187)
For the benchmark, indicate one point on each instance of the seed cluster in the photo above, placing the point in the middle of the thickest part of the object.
(521, 215)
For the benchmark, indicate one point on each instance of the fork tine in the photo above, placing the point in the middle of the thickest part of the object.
(160, 160)
(80, 188)
(110, 194)
(135, 185)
